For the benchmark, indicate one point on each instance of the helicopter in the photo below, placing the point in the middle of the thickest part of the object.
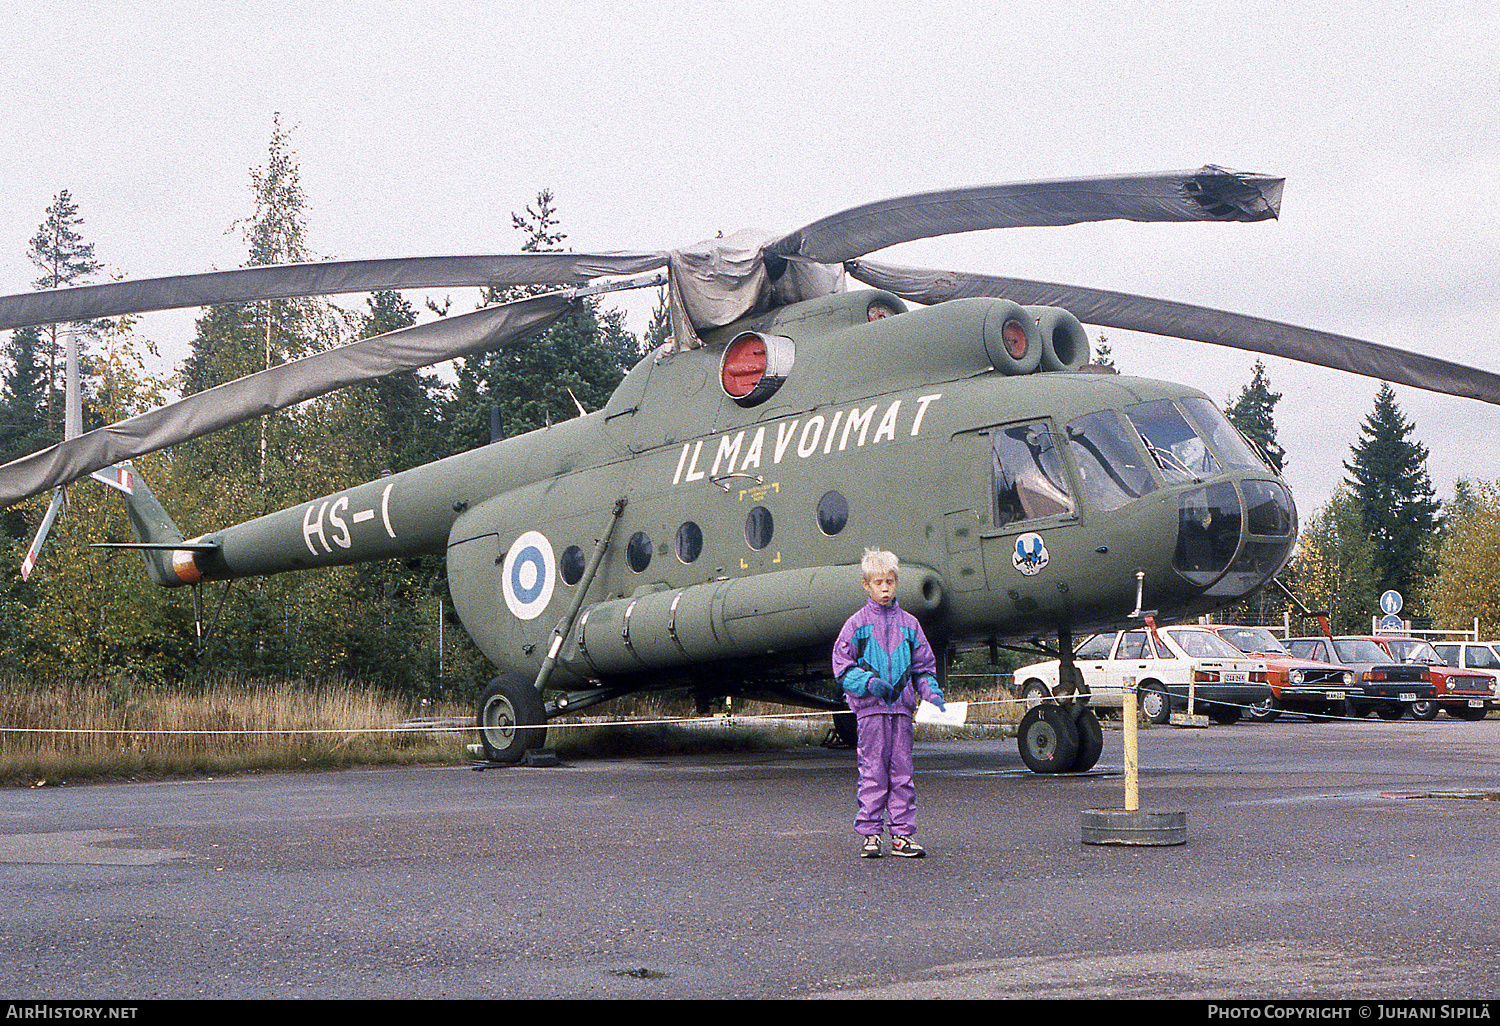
(703, 530)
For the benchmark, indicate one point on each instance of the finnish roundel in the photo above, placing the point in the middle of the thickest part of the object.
(530, 575)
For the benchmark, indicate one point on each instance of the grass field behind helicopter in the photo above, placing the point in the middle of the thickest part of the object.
(79, 730)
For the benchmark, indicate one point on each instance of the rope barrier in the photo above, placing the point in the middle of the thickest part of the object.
(728, 719)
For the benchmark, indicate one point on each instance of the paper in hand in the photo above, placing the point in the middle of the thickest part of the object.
(953, 716)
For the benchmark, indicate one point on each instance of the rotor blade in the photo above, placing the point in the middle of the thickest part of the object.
(1198, 323)
(332, 277)
(29, 563)
(1207, 194)
(277, 388)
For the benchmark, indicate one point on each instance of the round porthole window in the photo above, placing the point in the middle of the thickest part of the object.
(689, 542)
(638, 551)
(833, 513)
(758, 528)
(571, 565)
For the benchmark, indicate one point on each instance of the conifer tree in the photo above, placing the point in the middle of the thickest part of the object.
(1254, 414)
(1388, 473)
(64, 259)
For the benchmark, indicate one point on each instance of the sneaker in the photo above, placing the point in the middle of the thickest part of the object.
(871, 849)
(906, 847)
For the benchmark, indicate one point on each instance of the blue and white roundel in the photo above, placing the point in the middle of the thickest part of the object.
(530, 575)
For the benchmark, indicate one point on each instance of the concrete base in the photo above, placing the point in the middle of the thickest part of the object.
(1184, 720)
(1136, 829)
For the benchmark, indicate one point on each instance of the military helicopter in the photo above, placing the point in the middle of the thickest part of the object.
(704, 529)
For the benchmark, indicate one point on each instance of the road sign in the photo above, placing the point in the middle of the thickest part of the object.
(1391, 623)
(1390, 603)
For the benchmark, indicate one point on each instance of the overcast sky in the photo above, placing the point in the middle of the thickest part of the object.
(420, 128)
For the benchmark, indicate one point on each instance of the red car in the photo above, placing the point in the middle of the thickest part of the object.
(1297, 685)
(1461, 693)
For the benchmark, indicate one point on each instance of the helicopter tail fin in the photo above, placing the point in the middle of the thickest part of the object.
(167, 554)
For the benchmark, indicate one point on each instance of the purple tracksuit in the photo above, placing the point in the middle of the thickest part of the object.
(882, 661)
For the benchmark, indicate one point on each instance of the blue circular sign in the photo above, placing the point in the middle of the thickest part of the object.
(1391, 603)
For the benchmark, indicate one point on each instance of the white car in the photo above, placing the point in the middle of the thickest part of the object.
(1164, 665)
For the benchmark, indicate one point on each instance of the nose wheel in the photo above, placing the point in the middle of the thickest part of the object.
(1060, 739)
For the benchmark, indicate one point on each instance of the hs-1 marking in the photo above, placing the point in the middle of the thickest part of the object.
(337, 528)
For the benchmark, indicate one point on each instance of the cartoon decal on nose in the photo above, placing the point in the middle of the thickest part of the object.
(1030, 555)
(529, 575)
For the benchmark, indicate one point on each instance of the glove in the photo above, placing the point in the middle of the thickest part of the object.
(937, 700)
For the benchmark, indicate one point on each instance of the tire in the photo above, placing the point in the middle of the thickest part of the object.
(1264, 711)
(1048, 739)
(1463, 712)
(1390, 710)
(1156, 705)
(1424, 709)
(1090, 742)
(508, 706)
(1355, 709)
(1034, 692)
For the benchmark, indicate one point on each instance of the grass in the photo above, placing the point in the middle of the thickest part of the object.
(84, 730)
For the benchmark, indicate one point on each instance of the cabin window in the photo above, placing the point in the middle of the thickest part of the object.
(758, 528)
(689, 542)
(571, 565)
(1112, 469)
(1028, 474)
(833, 513)
(638, 551)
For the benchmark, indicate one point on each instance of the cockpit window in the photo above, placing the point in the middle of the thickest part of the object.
(1111, 467)
(1028, 474)
(1180, 454)
(1234, 450)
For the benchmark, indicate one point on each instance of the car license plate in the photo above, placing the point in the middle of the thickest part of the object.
(1235, 676)
(1333, 696)
(1476, 703)
(1408, 696)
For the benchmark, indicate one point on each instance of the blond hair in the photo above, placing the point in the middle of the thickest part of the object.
(877, 562)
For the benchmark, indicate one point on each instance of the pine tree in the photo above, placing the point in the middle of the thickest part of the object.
(1254, 414)
(59, 252)
(542, 380)
(1388, 472)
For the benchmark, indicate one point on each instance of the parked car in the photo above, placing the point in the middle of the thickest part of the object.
(1474, 655)
(1461, 693)
(1386, 686)
(1165, 665)
(1297, 685)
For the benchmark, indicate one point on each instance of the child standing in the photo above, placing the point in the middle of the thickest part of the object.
(883, 662)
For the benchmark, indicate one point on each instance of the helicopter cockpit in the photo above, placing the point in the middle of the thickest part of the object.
(1235, 524)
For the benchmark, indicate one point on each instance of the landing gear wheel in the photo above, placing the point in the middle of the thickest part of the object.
(1048, 739)
(1090, 742)
(510, 712)
(1424, 709)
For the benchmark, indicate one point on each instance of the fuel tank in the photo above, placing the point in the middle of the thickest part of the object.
(749, 616)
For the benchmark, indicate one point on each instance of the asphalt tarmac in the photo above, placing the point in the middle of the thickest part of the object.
(1323, 860)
